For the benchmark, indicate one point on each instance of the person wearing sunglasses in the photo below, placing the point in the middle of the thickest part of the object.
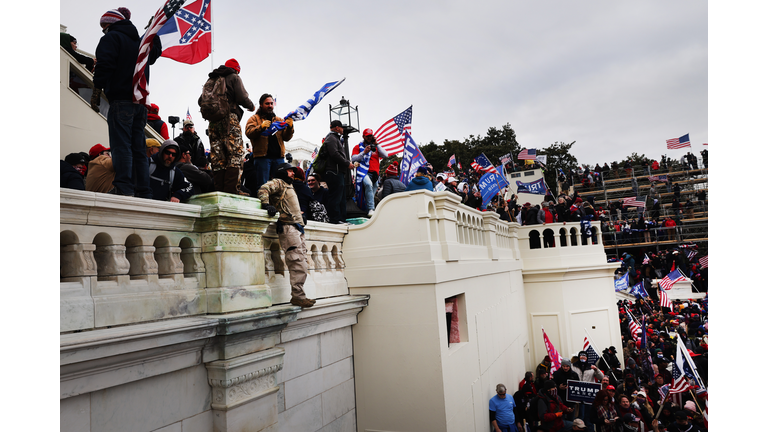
(166, 179)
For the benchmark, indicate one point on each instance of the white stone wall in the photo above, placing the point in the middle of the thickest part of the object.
(317, 386)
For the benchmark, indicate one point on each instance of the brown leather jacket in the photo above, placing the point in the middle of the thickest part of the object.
(259, 142)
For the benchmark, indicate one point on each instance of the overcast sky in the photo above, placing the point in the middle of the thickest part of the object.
(616, 77)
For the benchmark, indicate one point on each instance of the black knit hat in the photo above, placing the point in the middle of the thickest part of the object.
(76, 158)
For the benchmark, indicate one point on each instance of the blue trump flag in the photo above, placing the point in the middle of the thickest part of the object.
(303, 111)
(412, 160)
(490, 185)
(537, 187)
(639, 290)
(621, 283)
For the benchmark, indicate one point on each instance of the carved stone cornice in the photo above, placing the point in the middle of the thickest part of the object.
(243, 379)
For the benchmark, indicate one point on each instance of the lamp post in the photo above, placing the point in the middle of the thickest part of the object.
(350, 120)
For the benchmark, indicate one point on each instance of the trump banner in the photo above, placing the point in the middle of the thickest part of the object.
(537, 187)
(412, 160)
(490, 185)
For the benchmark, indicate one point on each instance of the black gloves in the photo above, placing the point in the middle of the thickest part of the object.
(96, 99)
(271, 211)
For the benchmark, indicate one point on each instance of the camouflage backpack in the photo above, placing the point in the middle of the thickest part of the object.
(214, 105)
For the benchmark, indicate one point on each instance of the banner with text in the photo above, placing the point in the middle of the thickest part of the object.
(579, 391)
(537, 187)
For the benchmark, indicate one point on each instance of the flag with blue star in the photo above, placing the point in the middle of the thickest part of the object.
(186, 37)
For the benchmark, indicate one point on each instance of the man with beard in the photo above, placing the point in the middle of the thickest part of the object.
(369, 155)
(165, 179)
(190, 138)
(269, 150)
(226, 136)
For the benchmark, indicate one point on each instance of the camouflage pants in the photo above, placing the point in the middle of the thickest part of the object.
(226, 143)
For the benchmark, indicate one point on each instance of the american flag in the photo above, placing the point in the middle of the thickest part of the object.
(663, 391)
(189, 117)
(451, 161)
(680, 369)
(391, 135)
(691, 254)
(676, 143)
(482, 164)
(672, 278)
(634, 327)
(314, 153)
(635, 202)
(140, 91)
(592, 356)
(552, 353)
(646, 260)
(527, 154)
(704, 261)
(658, 178)
(664, 300)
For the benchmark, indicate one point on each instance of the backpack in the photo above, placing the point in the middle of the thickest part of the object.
(320, 163)
(214, 104)
(533, 410)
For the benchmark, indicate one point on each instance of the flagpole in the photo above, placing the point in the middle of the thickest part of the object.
(695, 400)
(601, 355)
(212, 38)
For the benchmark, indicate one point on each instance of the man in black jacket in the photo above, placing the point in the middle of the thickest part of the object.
(190, 138)
(561, 377)
(167, 180)
(117, 53)
(335, 170)
(202, 182)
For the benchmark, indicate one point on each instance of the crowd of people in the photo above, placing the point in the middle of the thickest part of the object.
(632, 397)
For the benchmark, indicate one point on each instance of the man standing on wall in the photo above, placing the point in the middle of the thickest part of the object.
(335, 173)
(281, 197)
(117, 52)
(268, 151)
(225, 135)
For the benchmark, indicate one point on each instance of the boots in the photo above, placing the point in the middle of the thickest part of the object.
(302, 302)
(218, 181)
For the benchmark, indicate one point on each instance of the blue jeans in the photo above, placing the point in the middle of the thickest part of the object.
(368, 190)
(126, 121)
(337, 197)
(264, 167)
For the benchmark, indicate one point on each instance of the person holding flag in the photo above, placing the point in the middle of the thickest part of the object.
(117, 54)
(368, 154)
(268, 150)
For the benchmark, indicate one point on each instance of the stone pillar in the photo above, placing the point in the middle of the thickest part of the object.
(111, 262)
(232, 251)
(142, 260)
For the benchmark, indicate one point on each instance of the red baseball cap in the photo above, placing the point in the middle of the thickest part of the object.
(96, 150)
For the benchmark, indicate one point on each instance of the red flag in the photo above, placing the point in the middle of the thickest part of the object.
(552, 352)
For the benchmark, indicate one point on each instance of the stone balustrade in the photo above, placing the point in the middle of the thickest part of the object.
(555, 245)
(128, 260)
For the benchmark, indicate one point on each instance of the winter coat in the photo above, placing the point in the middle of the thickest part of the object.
(236, 93)
(337, 159)
(70, 178)
(196, 148)
(586, 373)
(156, 123)
(101, 173)
(261, 144)
(390, 186)
(116, 53)
(418, 183)
(160, 178)
(548, 409)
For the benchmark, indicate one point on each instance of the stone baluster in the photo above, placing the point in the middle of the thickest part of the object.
(77, 260)
(111, 261)
(142, 261)
(169, 261)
